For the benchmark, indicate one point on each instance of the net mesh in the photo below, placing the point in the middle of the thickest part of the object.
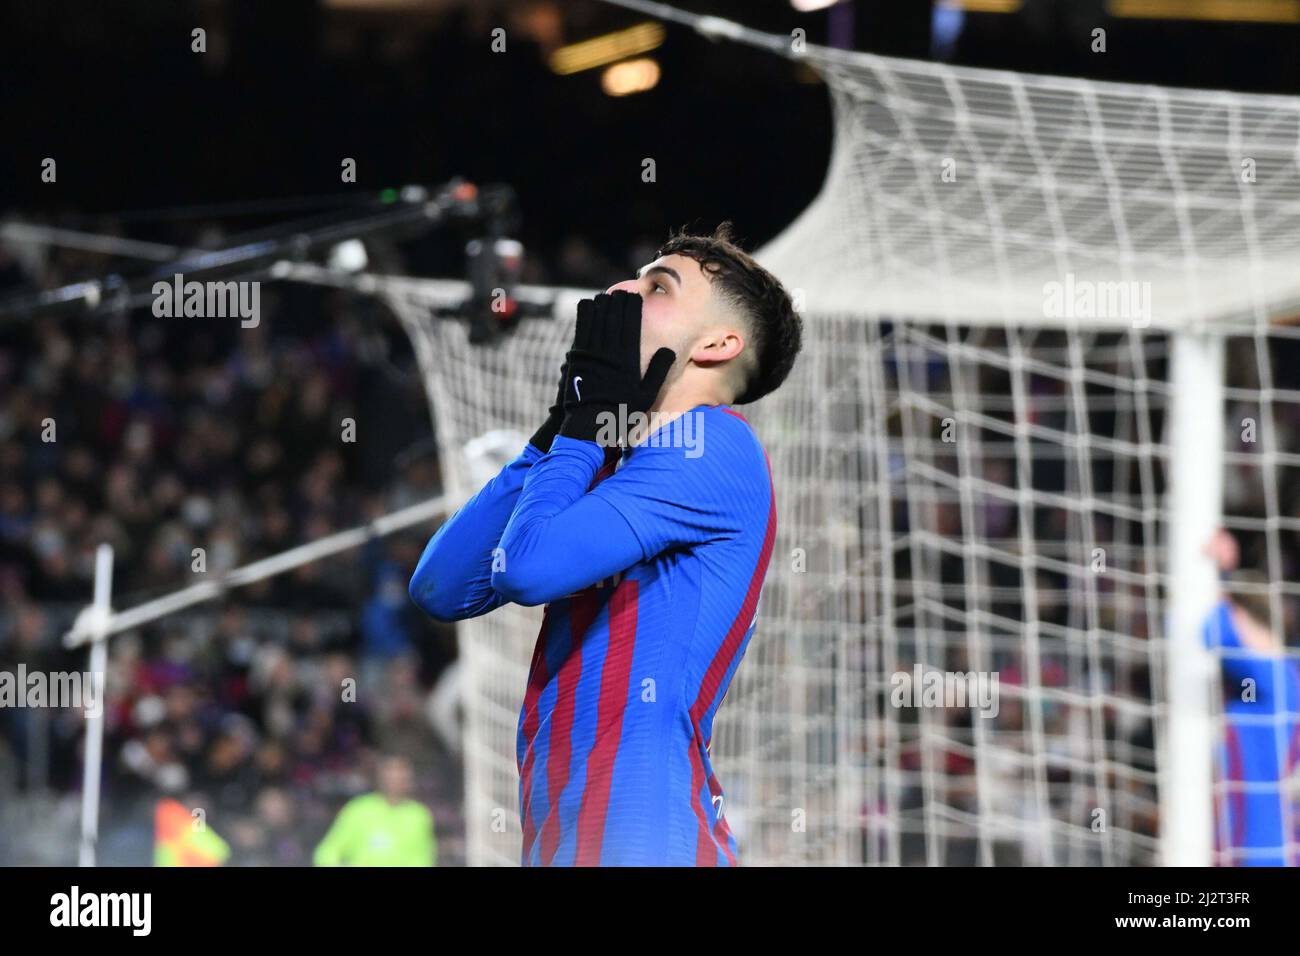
(957, 193)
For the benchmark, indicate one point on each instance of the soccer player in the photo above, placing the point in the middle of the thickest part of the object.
(647, 543)
(1260, 752)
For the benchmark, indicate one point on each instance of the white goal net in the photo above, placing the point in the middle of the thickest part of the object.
(1038, 312)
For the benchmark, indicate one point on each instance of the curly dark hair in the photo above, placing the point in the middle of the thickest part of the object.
(776, 331)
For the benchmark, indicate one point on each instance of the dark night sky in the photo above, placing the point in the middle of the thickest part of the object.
(135, 120)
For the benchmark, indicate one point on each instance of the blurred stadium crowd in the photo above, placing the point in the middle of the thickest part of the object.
(171, 435)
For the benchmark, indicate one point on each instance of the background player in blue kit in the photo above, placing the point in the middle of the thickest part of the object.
(1259, 755)
(648, 547)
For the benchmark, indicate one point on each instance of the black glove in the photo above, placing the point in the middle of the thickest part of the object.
(543, 437)
(604, 367)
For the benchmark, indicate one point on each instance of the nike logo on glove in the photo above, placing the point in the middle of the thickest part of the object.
(576, 390)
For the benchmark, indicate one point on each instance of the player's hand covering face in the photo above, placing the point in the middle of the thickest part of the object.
(603, 376)
(675, 296)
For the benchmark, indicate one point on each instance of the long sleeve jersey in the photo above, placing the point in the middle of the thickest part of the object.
(650, 565)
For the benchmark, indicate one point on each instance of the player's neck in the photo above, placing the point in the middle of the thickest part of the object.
(676, 401)
(682, 396)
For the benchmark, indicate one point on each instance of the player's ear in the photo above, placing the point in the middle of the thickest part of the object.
(721, 344)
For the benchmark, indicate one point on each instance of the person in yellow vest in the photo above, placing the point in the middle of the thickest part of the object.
(385, 828)
(183, 838)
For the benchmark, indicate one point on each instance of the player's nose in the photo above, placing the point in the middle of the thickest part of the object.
(627, 285)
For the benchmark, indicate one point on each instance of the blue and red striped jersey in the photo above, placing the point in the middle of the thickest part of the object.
(1260, 750)
(650, 565)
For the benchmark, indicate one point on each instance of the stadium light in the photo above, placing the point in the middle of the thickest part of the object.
(348, 256)
(606, 49)
(986, 6)
(1241, 11)
(630, 76)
